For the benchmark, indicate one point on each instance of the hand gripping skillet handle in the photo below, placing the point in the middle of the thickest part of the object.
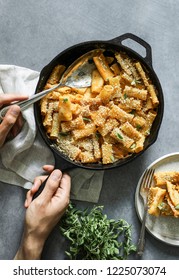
(63, 166)
(119, 40)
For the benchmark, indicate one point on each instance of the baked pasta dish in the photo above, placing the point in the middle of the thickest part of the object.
(107, 121)
(164, 194)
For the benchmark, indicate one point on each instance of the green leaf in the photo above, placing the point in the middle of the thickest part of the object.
(119, 136)
(86, 119)
(63, 133)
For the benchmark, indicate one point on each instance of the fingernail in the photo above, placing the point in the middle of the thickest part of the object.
(15, 110)
(56, 175)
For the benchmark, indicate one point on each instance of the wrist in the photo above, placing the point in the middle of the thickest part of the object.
(30, 248)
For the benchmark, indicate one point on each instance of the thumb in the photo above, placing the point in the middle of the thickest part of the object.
(51, 185)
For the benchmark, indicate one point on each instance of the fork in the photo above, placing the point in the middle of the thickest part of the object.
(144, 190)
(26, 103)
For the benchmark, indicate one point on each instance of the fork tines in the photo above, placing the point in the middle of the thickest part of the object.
(147, 178)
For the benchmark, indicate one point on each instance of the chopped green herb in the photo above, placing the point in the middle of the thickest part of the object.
(133, 146)
(112, 158)
(93, 236)
(63, 133)
(65, 100)
(119, 136)
(138, 126)
(177, 207)
(162, 206)
(86, 119)
(125, 96)
(135, 81)
(97, 135)
(133, 112)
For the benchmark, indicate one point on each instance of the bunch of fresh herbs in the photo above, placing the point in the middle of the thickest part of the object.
(93, 236)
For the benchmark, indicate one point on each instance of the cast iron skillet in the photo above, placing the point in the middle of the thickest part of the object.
(66, 58)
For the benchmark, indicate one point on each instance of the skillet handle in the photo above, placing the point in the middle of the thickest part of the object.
(40, 189)
(120, 39)
(62, 165)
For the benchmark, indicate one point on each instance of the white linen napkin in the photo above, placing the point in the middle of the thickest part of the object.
(22, 158)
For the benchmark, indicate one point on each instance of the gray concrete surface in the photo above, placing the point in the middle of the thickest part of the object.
(32, 33)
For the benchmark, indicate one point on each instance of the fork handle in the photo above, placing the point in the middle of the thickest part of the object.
(26, 103)
(141, 241)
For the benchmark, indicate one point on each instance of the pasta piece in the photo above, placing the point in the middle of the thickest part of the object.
(139, 145)
(85, 111)
(115, 81)
(96, 147)
(103, 67)
(148, 105)
(142, 74)
(97, 82)
(123, 63)
(153, 95)
(156, 197)
(48, 117)
(149, 121)
(128, 104)
(55, 126)
(85, 144)
(99, 117)
(65, 145)
(106, 94)
(135, 92)
(107, 153)
(77, 123)
(175, 211)
(54, 95)
(75, 98)
(76, 109)
(161, 177)
(120, 114)
(44, 105)
(173, 193)
(87, 157)
(64, 90)
(138, 122)
(130, 131)
(115, 68)
(80, 91)
(119, 152)
(121, 137)
(65, 113)
(127, 78)
(108, 126)
(133, 70)
(85, 132)
(56, 74)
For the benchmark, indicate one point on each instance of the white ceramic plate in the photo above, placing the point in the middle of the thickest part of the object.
(165, 229)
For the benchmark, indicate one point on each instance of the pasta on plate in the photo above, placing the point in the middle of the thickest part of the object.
(164, 194)
(107, 121)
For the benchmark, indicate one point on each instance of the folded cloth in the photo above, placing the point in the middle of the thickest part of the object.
(22, 158)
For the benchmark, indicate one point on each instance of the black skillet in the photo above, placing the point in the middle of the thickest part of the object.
(70, 55)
